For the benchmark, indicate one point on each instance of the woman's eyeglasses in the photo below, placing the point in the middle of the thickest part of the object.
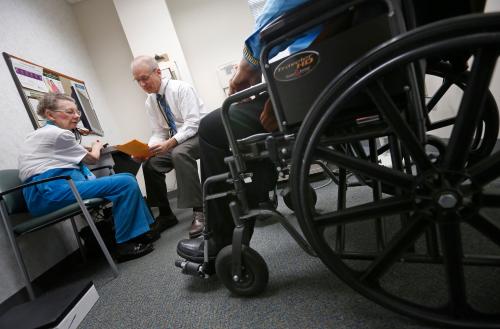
(69, 112)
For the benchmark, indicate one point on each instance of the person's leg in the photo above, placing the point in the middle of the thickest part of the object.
(184, 158)
(130, 212)
(154, 170)
(213, 148)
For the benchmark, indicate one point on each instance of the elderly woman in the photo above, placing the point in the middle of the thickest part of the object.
(53, 150)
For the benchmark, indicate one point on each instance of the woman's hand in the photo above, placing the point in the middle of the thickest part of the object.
(98, 145)
(95, 152)
(246, 76)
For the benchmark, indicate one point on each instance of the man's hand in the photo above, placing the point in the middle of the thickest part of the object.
(139, 159)
(246, 76)
(163, 147)
(267, 118)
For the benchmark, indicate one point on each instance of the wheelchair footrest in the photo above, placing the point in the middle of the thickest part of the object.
(203, 270)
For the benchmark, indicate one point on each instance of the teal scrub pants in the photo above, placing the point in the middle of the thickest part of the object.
(130, 212)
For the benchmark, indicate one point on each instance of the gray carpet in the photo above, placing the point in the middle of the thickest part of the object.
(150, 292)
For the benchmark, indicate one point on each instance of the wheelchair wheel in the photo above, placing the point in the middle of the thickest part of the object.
(255, 273)
(486, 134)
(429, 248)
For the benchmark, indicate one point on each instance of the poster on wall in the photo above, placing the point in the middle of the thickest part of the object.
(30, 76)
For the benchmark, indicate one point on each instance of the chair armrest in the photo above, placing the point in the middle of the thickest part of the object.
(33, 183)
(110, 168)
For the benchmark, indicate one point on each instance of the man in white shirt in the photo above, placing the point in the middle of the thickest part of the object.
(174, 110)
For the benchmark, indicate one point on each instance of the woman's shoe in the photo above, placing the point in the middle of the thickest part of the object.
(148, 237)
(131, 250)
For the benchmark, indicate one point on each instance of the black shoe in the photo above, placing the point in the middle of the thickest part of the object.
(163, 222)
(148, 237)
(131, 250)
(192, 249)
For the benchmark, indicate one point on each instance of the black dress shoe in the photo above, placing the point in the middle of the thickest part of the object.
(131, 250)
(148, 237)
(162, 222)
(192, 249)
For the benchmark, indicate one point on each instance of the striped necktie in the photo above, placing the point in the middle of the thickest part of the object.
(168, 113)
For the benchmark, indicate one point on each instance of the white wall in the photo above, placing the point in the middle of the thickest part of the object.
(149, 30)
(211, 34)
(45, 33)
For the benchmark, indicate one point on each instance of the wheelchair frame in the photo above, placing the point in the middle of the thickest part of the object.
(413, 177)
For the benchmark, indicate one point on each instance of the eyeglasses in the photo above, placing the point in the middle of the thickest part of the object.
(144, 78)
(69, 112)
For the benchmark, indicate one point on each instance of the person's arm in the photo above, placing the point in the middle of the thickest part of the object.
(248, 72)
(190, 106)
(94, 154)
(272, 9)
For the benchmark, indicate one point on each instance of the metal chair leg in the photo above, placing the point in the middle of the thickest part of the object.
(17, 252)
(92, 226)
(78, 240)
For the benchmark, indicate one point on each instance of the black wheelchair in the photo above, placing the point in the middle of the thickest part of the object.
(374, 88)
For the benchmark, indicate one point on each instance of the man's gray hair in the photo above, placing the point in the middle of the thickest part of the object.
(145, 60)
(49, 102)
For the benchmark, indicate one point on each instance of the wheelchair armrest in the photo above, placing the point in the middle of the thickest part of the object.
(110, 168)
(239, 96)
(101, 167)
(33, 183)
(253, 138)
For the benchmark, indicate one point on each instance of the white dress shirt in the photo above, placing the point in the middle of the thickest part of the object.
(186, 106)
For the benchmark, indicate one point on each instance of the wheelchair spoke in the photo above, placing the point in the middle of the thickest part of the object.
(470, 110)
(384, 174)
(454, 270)
(396, 247)
(404, 132)
(385, 207)
(438, 94)
(486, 170)
(489, 200)
(485, 227)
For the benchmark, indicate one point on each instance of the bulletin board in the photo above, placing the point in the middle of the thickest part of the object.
(33, 81)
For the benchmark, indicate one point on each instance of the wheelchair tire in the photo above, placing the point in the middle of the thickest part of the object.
(440, 257)
(255, 273)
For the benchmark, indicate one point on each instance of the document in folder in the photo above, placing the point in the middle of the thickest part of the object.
(134, 148)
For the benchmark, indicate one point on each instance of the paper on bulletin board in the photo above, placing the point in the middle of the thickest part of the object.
(53, 83)
(29, 75)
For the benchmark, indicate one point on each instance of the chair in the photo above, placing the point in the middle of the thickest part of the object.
(13, 207)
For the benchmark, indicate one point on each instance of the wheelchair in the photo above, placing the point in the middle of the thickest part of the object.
(417, 234)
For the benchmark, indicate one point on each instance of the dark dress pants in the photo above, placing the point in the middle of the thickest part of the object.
(214, 148)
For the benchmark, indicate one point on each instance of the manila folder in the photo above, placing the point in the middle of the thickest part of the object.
(134, 148)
